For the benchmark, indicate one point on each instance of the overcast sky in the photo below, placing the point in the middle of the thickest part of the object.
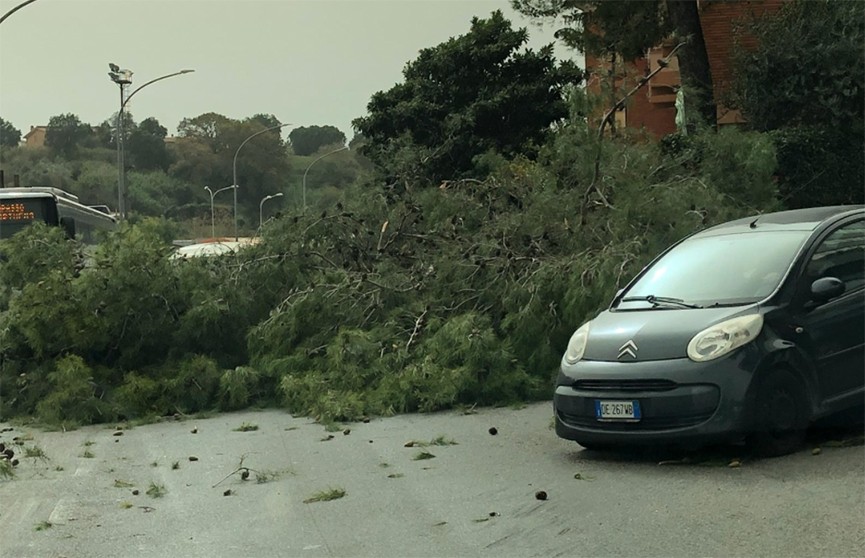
(305, 61)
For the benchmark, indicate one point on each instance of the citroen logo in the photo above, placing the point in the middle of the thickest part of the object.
(629, 348)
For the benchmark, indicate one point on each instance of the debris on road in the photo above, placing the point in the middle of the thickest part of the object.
(494, 430)
(541, 495)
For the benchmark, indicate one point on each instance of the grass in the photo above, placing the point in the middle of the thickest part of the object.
(59, 468)
(262, 477)
(154, 464)
(246, 427)
(332, 427)
(35, 452)
(420, 456)
(6, 470)
(156, 490)
(395, 476)
(88, 454)
(175, 465)
(88, 443)
(326, 495)
(43, 525)
(125, 504)
(122, 484)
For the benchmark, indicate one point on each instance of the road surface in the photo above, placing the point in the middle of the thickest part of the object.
(477, 497)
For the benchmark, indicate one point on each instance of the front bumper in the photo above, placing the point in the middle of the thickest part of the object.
(680, 400)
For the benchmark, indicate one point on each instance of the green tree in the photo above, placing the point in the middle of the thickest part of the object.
(306, 140)
(264, 120)
(804, 82)
(66, 133)
(473, 94)
(146, 146)
(10, 136)
(624, 28)
(207, 128)
(205, 156)
(808, 67)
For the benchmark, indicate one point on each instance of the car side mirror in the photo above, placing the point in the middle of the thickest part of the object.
(826, 288)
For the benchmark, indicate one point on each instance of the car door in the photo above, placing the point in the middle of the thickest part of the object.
(833, 331)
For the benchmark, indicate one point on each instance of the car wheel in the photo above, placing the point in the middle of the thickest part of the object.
(781, 416)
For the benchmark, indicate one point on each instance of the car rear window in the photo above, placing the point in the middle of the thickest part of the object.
(725, 269)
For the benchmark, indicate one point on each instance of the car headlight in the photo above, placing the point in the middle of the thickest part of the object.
(577, 344)
(722, 338)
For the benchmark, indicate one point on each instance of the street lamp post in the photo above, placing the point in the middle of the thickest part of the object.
(123, 78)
(234, 170)
(303, 185)
(212, 217)
(261, 207)
(15, 9)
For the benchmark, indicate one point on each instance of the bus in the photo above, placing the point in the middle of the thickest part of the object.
(20, 207)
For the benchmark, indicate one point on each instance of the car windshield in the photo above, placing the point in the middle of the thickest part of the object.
(717, 270)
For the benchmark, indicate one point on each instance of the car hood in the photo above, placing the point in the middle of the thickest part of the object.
(639, 335)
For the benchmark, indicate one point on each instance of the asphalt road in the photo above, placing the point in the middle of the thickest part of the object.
(474, 498)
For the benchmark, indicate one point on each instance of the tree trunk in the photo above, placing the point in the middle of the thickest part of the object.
(693, 58)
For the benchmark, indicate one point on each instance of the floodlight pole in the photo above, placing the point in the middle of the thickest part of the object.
(123, 78)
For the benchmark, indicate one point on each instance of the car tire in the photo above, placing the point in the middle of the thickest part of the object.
(781, 414)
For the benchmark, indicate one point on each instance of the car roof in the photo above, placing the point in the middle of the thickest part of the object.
(793, 220)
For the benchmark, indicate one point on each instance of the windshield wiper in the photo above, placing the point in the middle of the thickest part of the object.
(661, 301)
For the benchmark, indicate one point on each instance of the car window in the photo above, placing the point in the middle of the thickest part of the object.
(724, 269)
(841, 255)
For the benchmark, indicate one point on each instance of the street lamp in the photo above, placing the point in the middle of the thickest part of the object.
(212, 218)
(261, 206)
(303, 186)
(15, 9)
(123, 78)
(234, 170)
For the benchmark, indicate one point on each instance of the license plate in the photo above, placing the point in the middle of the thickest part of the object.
(617, 410)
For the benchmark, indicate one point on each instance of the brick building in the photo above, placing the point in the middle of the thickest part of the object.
(36, 136)
(653, 108)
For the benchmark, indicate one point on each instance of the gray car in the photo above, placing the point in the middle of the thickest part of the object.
(750, 329)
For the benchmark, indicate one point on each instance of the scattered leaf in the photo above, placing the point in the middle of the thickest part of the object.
(326, 495)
